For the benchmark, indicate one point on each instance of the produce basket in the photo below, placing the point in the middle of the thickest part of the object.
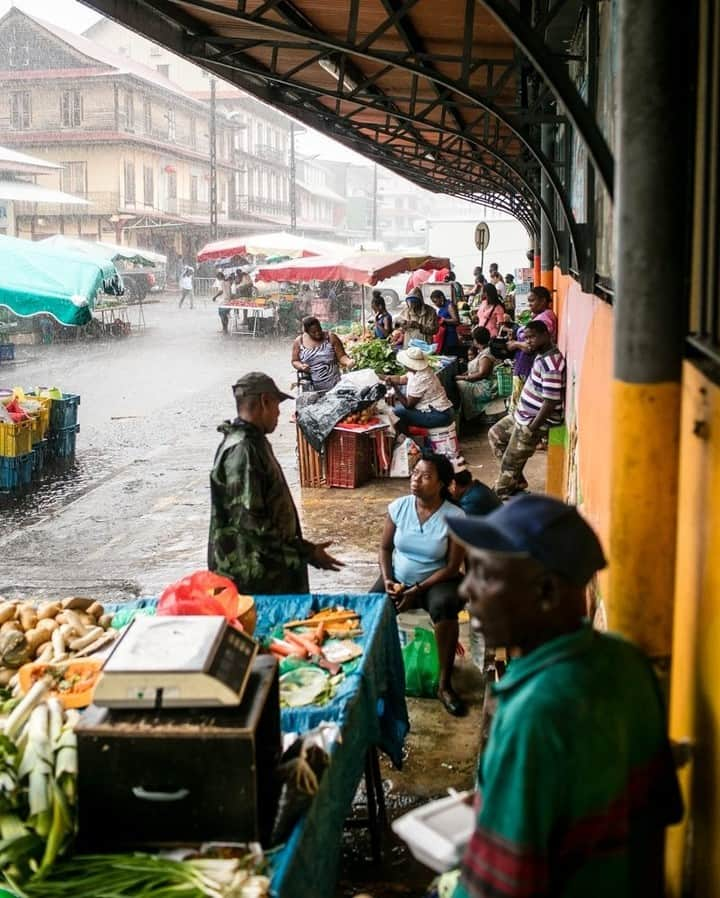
(504, 378)
(348, 459)
(310, 462)
(61, 443)
(7, 352)
(40, 454)
(16, 439)
(64, 412)
(41, 418)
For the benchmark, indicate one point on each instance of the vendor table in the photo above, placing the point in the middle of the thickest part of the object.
(368, 706)
(248, 323)
(108, 315)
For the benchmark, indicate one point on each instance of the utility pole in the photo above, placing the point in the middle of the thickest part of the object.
(213, 164)
(374, 202)
(293, 181)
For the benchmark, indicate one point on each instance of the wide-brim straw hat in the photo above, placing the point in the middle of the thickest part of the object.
(413, 358)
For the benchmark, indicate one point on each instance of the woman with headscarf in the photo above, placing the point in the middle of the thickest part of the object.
(420, 566)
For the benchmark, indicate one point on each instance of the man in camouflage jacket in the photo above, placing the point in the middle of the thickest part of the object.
(255, 535)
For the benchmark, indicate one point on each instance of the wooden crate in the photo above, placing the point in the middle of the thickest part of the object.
(310, 462)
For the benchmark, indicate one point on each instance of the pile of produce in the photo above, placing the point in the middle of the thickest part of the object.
(38, 772)
(50, 632)
(149, 876)
(366, 416)
(377, 355)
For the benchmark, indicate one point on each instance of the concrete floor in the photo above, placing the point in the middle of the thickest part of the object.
(131, 514)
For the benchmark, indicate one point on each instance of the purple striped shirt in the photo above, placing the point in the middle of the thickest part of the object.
(546, 381)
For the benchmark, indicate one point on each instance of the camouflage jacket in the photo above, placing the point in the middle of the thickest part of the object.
(255, 536)
(419, 325)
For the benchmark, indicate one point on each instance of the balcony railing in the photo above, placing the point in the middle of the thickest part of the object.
(109, 203)
(260, 206)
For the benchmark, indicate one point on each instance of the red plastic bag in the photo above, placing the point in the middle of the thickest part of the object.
(201, 593)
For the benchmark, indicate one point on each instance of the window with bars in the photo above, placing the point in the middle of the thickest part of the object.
(172, 125)
(172, 185)
(129, 178)
(148, 186)
(20, 110)
(71, 108)
(74, 178)
(193, 131)
(147, 116)
(194, 188)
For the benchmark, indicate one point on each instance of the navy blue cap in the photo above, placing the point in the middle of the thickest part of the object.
(539, 527)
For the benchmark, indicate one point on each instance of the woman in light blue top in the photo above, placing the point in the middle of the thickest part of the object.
(420, 565)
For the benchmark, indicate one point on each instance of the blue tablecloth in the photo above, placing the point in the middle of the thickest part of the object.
(369, 706)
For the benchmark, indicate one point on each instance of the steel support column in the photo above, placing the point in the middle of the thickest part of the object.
(651, 223)
(547, 246)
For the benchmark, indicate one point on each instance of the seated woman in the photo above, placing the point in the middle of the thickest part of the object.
(317, 356)
(446, 339)
(425, 402)
(478, 387)
(382, 321)
(420, 567)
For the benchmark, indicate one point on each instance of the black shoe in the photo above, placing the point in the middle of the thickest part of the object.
(452, 703)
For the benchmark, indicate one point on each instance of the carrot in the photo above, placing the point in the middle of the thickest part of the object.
(285, 648)
(320, 633)
(303, 642)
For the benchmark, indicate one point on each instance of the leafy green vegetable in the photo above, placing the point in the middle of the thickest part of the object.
(376, 355)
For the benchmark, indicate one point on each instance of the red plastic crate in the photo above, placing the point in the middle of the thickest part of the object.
(348, 459)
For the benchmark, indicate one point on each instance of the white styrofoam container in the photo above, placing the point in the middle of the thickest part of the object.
(438, 832)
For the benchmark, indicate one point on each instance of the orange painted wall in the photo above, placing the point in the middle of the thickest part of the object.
(586, 338)
(694, 692)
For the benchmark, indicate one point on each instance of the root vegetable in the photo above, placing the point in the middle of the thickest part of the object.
(105, 620)
(77, 603)
(47, 623)
(6, 674)
(7, 611)
(35, 638)
(86, 639)
(58, 643)
(11, 625)
(73, 618)
(96, 610)
(68, 632)
(107, 637)
(48, 611)
(15, 721)
(45, 652)
(28, 618)
(87, 619)
(302, 642)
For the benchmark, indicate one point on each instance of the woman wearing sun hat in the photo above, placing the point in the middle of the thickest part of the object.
(425, 402)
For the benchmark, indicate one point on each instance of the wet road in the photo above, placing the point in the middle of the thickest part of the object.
(132, 513)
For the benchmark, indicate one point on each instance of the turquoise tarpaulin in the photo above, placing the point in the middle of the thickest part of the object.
(38, 280)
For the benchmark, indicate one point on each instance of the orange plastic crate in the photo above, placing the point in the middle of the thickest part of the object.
(349, 460)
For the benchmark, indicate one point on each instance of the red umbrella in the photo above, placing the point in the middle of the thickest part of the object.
(416, 279)
(362, 268)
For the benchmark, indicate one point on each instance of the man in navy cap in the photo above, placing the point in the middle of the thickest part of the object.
(255, 536)
(576, 784)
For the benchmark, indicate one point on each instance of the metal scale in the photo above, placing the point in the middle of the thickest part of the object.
(177, 662)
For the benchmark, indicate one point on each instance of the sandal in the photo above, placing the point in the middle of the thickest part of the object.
(452, 702)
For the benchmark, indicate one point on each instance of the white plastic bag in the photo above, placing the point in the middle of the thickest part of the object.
(400, 464)
(365, 377)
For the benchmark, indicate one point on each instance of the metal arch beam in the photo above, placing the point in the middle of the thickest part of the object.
(555, 76)
(311, 38)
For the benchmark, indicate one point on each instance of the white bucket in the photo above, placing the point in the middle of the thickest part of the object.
(444, 441)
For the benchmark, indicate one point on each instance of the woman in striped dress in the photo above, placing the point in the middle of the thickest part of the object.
(317, 356)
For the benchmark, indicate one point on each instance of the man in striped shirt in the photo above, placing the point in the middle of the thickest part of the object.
(515, 438)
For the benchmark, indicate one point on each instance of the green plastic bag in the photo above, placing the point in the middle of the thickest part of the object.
(422, 665)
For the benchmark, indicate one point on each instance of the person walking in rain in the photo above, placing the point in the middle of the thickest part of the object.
(186, 286)
(223, 288)
(255, 537)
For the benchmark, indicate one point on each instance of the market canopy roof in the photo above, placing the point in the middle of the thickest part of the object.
(107, 251)
(22, 163)
(454, 96)
(24, 191)
(363, 268)
(279, 243)
(37, 279)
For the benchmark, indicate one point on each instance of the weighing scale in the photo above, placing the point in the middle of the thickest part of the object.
(177, 662)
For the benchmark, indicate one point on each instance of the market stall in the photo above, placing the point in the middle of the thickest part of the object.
(278, 243)
(254, 318)
(348, 643)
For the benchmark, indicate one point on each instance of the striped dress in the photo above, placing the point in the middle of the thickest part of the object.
(324, 368)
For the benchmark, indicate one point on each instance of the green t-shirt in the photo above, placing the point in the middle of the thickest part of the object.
(577, 782)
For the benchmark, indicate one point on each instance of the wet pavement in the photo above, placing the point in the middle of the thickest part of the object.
(130, 515)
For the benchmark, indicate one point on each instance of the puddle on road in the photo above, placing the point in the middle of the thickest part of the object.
(58, 485)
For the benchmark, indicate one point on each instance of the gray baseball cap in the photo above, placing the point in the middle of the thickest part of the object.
(255, 383)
